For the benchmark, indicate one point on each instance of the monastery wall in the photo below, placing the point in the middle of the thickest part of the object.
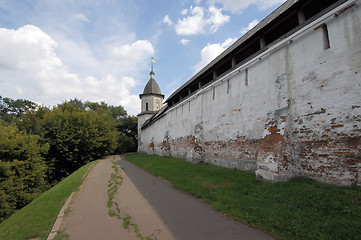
(293, 110)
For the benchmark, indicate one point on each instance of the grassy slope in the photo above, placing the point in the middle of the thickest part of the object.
(37, 218)
(299, 209)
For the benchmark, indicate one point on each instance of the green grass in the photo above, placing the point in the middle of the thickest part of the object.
(114, 183)
(299, 209)
(37, 218)
(126, 222)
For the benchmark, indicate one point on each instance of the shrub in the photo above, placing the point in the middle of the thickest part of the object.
(22, 169)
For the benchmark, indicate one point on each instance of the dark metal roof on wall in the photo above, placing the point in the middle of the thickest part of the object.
(271, 17)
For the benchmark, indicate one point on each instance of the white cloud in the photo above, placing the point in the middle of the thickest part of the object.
(27, 48)
(211, 51)
(199, 20)
(77, 55)
(31, 69)
(167, 20)
(193, 24)
(185, 41)
(237, 6)
(250, 26)
(81, 17)
(217, 19)
(208, 53)
(130, 56)
(228, 42)
(184, 11)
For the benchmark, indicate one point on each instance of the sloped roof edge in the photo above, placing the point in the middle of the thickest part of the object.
(271, 17)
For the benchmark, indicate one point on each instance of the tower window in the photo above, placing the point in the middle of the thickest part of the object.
(146, 107)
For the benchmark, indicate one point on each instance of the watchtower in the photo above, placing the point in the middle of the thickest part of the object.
(151, 100)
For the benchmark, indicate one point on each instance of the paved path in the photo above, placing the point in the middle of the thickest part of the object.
(157, 208)
(185, 216)
(88, 218)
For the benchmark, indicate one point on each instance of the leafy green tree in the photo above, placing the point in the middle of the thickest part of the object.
(76, 102)
(126, 125)
(10, 109)
(125, 144)
(76, 137)
(40, 146)
(32, 122)
(96, 106)
(117, 112)
(22, 168)
(128, 129)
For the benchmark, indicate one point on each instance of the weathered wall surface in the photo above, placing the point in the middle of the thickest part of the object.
(295, 110)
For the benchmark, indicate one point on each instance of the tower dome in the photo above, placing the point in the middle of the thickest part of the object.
(152, 97)
(152, 86)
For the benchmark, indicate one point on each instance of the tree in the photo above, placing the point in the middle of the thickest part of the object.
(125, 144)
(76, 137)
(40, 146)
(22, 168)
(32, 122)
(10, 109)
(117, 112)
(128, 128)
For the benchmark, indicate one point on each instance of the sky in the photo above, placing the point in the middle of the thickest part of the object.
(101, 50)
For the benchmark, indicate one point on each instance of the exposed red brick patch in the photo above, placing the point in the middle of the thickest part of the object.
(165, 145)
(151, 146)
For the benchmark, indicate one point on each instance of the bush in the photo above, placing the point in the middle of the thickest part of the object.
(76, 137)
(22, 169)
(126, 144)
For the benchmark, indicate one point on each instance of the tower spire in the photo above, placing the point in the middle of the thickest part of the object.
(151, 71)
(152, 64)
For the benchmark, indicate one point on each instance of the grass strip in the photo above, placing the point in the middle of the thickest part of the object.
(36, 219)
(114, 183)
(299, 209)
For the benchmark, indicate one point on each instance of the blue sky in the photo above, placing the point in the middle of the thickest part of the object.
(101, 50)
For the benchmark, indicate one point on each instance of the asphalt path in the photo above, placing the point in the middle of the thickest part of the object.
(185, 216)
(87, 215)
